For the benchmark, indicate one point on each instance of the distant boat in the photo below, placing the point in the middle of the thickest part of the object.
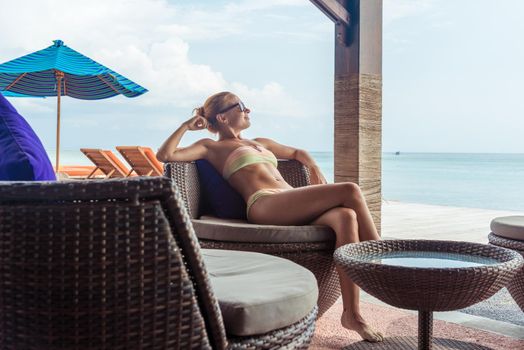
(397, 153)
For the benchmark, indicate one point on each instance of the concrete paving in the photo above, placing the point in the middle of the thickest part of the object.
(424, 221)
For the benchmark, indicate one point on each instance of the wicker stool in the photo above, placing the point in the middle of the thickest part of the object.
(508, 232)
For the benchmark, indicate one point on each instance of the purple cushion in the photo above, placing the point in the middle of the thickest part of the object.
(22, 155)
(219, 198)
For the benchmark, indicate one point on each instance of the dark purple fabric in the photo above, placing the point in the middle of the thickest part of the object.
(22, 155)
(219, 198)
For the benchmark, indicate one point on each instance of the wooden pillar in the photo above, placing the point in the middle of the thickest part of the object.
(358, 95)
(358, 101)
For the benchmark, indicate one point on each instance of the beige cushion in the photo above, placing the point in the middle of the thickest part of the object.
(259, 293)
(209, 227)
(511, 227)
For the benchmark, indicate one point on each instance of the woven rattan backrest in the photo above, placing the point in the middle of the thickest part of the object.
(109, 264)
(295, 174)
(185, 175)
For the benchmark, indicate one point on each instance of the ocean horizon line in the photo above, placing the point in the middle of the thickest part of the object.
(323, 151)
(468, 180)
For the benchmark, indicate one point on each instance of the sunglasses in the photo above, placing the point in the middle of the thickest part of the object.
(240, 105)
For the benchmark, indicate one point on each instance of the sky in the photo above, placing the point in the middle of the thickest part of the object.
(452, 70)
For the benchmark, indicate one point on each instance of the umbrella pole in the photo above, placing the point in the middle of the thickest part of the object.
(59, 75)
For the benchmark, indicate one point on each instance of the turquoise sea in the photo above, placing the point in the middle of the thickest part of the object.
(474, 180)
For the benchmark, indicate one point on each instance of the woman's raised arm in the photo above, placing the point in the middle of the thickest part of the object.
(169, 151)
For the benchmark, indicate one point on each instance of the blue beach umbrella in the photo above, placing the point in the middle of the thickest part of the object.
(61, 71)
(14, 94)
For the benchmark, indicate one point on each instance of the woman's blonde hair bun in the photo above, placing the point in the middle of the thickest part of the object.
(199, 111)
(211, 107)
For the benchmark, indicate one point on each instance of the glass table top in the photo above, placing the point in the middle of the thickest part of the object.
(428, 259)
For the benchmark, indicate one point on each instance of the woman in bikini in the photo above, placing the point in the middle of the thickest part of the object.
(250, 166)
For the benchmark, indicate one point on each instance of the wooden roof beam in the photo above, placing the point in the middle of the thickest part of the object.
(338, 14)
(334, 10)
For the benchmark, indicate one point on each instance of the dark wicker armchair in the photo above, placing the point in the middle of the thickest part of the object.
(309, 246)
(110, 264)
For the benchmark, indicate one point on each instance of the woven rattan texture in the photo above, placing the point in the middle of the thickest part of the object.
(294, 173)
(110, 264)
(185, 176)
(425, 329)
(426, 289)
(279, 339)
(516, 285)
(84, 267)
(506, 242)
(317, 257)
(297, 336)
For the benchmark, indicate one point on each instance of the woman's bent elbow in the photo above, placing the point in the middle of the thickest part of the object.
(162, 157)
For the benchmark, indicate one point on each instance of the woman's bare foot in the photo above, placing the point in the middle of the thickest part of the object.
(356, 323)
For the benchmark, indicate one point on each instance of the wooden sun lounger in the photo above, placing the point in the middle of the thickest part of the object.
(79, 171)
(107, 162)
(142, 160)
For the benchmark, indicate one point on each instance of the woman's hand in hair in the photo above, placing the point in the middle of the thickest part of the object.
(196, 123)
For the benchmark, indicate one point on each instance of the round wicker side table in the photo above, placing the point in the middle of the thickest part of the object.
(428, 276)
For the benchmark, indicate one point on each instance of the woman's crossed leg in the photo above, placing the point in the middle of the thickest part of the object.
(343, 208)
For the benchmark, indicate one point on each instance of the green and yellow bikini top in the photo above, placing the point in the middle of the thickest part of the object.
(247, 155)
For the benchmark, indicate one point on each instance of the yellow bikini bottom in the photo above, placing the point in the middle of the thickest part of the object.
(259, 194)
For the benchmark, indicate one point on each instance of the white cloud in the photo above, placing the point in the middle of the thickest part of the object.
(398, 9)
(35, 105)
(203, 22)
(398, 12)
(80, 123)
(165, 122)
(147, 41)
(270, 99)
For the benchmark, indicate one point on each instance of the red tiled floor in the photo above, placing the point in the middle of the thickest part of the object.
(394, 322)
